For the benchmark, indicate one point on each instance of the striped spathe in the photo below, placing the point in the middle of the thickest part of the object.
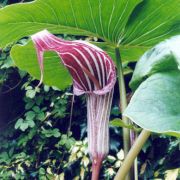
(93, 73)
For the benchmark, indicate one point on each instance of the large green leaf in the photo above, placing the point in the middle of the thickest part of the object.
(101, 18)
(106, 19)
(155, 106)
(132, 24)
(163, 57)
(152, 21)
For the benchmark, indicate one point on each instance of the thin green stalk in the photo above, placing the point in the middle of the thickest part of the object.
(134, 169)
(136, 148)
(71, 113)
(123, 102)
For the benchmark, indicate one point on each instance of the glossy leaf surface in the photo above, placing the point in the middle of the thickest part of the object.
(132, 24)
(155, 106)
(125, 22)
(163, 57)
(105, 19)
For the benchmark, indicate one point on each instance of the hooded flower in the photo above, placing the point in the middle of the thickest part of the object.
(93, 74)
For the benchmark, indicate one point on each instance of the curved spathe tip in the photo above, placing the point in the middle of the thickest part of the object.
(92, 70)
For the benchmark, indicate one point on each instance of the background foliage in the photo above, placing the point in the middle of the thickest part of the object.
(36, 142)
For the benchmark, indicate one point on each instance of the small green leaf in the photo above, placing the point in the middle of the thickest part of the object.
(69, 143)
(111, 159)
(39, 100)
(51, 132)
(41, 116)
(30, 93)
(56, 132)
(31, 123)
(24, 126)
(36, 109)
(30, 115)
(63, 139)
(46, 88)
(8, 63)
(42, 171)
(29, 105)
(11, 151)
(28, 87)
(18, 123)
(119, 123)
(4, 157)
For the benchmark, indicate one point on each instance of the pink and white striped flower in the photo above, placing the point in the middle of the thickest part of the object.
(94, 74)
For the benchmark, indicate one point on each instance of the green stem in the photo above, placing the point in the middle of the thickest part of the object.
(135, 169)
(123, 102)
(136, 148)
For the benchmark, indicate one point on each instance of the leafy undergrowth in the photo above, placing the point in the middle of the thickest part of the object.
(36, 142)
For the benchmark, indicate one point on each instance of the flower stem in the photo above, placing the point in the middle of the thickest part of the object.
(96, 167)
(123, 102)
(136, 148)
(134, 168)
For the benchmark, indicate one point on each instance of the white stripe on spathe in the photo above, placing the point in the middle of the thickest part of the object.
(96, 64)
(101, 148)
(102, 67)
(86, 61)
(89, 45)
(46, 35)
(71, 67)
(98, 108)
(74, 57)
